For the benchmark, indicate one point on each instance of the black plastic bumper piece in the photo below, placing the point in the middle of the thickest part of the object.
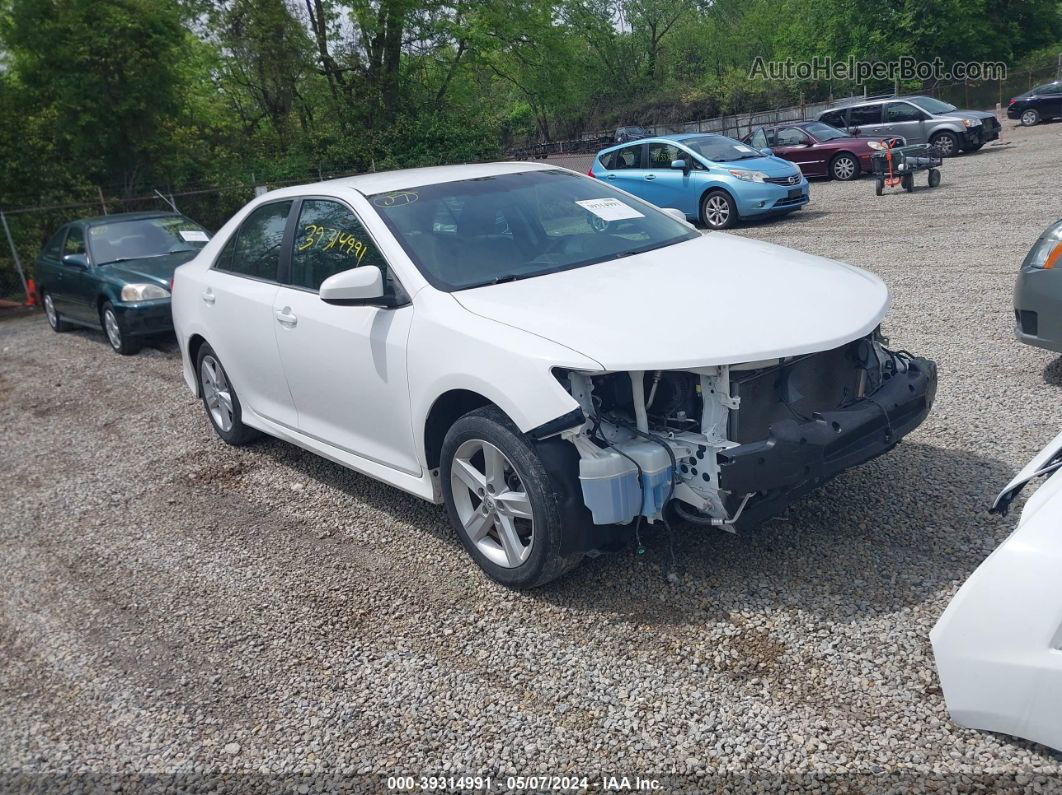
(798, 456)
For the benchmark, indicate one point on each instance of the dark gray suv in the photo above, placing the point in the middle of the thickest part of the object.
(918, 120)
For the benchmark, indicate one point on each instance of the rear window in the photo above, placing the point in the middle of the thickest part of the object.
(834, 118)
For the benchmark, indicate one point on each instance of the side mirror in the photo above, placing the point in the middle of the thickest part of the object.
(767, 151)
(362, 285)
(678, 215)
(79, 261)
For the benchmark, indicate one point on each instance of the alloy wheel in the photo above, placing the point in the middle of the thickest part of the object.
(492, 504)
(114, 333)
(49, 310)
(216, 392)
(716, 211)
(1029, 118)
(844, 168)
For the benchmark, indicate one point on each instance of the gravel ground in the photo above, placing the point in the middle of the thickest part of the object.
(261, 617)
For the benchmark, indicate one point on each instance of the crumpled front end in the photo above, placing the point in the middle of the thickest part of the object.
(731, 445)
(998, 645)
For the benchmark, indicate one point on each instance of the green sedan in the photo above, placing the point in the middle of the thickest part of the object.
(114, 273)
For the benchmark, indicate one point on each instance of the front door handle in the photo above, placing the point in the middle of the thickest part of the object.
(286, 317)
(208, 297)
(610, 176)
(650, 176)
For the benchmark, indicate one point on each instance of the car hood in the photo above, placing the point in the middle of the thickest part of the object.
(154, 269)
(718, 299)
(771, 166)
(978, 115)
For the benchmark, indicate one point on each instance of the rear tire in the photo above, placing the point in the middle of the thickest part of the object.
(55, 320)
(118, 332)
(934, 177)
(947, 143)
(718, 210)
(879, 186)
(908, 182)
(844, 167)
(220, 401)
(1030, 117)
(502, 501)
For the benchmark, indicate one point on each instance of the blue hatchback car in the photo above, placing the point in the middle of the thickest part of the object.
(711, 178)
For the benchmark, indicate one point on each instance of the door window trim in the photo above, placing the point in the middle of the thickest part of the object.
(289, 247)
(234, 239)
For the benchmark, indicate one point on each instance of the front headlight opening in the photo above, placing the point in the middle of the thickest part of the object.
(144, 292)
(748, 176)
(1046, 253)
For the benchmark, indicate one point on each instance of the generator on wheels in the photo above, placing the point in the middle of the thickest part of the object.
(896, 165)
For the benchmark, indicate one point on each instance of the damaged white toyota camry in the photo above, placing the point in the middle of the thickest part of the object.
(554, 359)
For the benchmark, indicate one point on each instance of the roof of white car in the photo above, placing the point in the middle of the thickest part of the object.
(385, 181)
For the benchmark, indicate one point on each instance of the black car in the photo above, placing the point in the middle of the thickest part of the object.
(1037, 104)
(624, 134)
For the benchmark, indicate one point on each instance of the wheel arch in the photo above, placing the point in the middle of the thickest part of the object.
(447, 408)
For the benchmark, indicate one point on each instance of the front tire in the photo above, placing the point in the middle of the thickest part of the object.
(220, 401)
(1030, 117)
(946, 143)
(117, 332)
(844, 167)
(502, 501)
(718, 210)
(55, 320)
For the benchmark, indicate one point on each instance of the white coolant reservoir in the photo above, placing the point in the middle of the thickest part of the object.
(609, 480)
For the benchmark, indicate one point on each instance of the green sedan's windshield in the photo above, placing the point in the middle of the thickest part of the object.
(506, 227)
(119, 241)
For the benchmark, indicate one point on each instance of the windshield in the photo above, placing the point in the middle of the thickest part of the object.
(824, 132)
(931, 105)
(144, 237)
(514, 226)
(720, 149)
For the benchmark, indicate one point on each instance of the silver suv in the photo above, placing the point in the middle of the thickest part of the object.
(918, 120)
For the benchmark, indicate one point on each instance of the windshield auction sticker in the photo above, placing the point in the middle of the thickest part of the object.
(610, 209)
(194, 236)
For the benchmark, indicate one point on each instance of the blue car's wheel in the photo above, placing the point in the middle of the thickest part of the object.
(718, 210)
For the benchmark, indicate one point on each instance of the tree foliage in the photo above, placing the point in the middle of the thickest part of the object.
(126, 94)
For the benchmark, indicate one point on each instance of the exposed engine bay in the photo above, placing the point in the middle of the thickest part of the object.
(725, 442)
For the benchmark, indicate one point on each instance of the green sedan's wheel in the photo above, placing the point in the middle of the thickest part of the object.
(55, 320)
(117, 332)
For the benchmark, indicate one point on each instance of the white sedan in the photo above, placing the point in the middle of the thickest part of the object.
(553, 358)
(998, 645)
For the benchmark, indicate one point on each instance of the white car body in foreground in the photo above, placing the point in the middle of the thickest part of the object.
(998, 645)
(570, 356)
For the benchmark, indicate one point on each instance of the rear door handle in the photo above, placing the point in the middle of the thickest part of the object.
(650, 176)
(208, 297)
(610, 176)
(286, 317)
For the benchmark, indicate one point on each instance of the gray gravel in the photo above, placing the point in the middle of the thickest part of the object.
(170, 605)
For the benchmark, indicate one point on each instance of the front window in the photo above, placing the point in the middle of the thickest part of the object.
(791, 136)
(506, 227)
(119, 241)
(720, 149)
(931, 105)
(824, 132)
